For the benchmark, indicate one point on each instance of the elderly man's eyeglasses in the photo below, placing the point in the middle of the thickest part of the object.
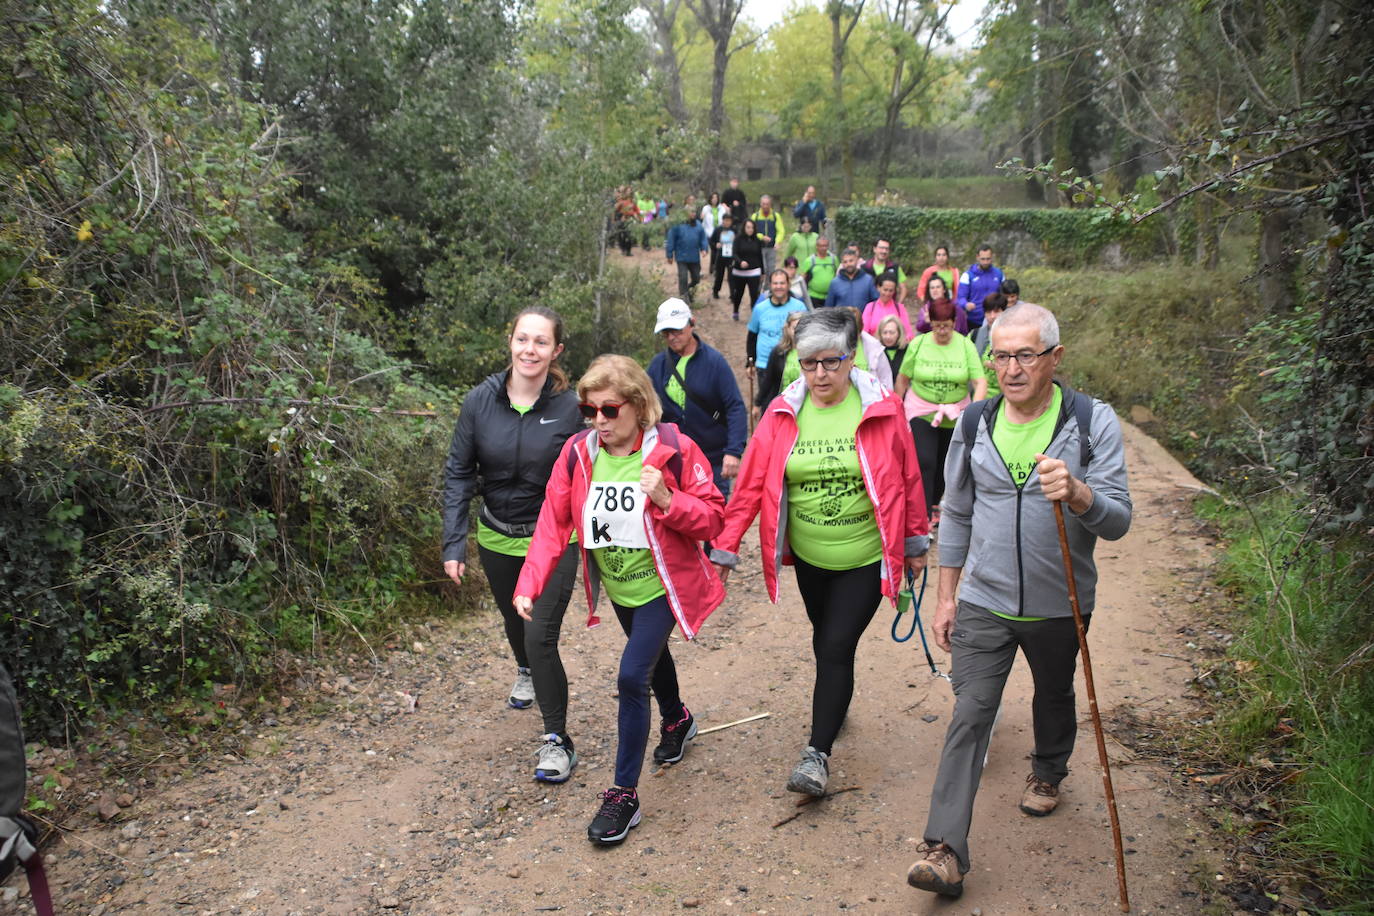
(831, 363)
(1026, 359)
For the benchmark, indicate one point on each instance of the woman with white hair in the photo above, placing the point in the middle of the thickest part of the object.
(832, 474)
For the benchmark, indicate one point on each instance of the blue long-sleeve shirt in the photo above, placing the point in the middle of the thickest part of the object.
(686, 242)
(856, 291)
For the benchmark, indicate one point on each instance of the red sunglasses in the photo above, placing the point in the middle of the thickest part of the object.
(609, 411)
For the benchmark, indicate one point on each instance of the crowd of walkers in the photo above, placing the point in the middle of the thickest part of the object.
(878, 419)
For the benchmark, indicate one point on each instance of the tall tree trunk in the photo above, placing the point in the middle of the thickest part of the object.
(1277, 260)
(839, 40)
(890, 119)
(663, 15)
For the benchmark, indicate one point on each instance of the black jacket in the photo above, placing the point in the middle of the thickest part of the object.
(504, 455)
(749, 249)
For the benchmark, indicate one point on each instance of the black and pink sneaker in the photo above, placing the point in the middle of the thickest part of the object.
(675, 736)
(618, 814)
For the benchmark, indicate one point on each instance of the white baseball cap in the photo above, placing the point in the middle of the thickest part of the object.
(673, 314)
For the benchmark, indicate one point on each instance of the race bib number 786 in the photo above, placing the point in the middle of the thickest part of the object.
(614, 515)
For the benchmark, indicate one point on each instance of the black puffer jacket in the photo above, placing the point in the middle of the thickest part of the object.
(504, 455)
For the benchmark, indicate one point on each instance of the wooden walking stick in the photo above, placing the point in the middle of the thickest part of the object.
(1092, 705)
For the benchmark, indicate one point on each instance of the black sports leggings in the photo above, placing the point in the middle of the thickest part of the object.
(841, 604)
(535, 644)
(737, 285)
(932, 445)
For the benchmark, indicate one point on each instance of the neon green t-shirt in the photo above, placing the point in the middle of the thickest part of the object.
(628, 574)
(830, 521)
(674, 389)
(939, 374)
(1019, 443)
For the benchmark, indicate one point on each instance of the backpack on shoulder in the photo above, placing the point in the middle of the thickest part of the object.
(1079, 403)
(18, 834)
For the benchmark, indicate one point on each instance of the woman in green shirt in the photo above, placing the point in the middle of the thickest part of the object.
(937, 370)
(802, 243)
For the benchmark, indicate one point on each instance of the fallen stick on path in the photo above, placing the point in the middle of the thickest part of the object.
(808, 799)
(716, 728)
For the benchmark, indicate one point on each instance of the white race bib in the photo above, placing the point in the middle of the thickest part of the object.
(614, 515)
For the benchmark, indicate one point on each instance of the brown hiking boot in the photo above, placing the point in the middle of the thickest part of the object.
(937, 871)
(1040, 798)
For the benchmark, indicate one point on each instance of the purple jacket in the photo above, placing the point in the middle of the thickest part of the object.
(974, 285)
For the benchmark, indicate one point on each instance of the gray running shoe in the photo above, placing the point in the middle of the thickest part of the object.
(556, 760)
(522, 691)
(811, 774)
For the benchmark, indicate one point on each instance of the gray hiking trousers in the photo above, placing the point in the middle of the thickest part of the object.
(983, 647)
(12, 774)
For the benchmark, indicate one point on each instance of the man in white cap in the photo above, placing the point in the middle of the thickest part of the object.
(699, 391)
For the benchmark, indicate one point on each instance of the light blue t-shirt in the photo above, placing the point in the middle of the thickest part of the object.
(767, 320)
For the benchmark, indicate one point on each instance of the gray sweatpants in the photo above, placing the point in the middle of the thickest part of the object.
(983, 647)
(12, 774)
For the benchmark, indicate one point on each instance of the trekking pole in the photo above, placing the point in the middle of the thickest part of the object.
(1092, 705)
(749, 408)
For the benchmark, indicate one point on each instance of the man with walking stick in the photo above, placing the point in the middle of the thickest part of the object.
(1011, 461)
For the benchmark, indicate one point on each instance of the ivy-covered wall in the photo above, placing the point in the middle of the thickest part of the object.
(1023, 238)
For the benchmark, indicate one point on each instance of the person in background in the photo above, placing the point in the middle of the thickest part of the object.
(735, 200)
(832, 477)
(746, 271)
(894, 340)
(509, 433)
(638, 494)
(686, 243)
(976, 283)
(802, 243)
(936, 291)
(993, 307)
(881, 264)
(798, 284)
(818, 270)
(722, 251)
(1024, 457)
(698, 391)
(809, 208)
(852, 286)
(767, 320)
(885, 306)
(626, 218)
(771, 231)
(711, 213)
(941, 267)
(1012, 290)
(938, 369)
(770, 377)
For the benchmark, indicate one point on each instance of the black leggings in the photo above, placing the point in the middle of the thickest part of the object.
(737, 285)
(932, 445)
(535, 644)
(719, 268)
(841, 604)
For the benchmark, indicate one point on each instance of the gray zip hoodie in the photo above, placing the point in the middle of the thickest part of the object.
(1007, 540)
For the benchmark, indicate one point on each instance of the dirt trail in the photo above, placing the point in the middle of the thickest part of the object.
(360, 806)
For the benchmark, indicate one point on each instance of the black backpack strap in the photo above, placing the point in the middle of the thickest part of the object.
(667, 434)
(968, 422)
(1082, 407)
(576, 440)
(716, 414)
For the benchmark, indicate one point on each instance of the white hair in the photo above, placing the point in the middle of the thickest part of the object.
(1026, 314)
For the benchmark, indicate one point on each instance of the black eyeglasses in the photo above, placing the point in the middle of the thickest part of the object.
(831, 363)
(609, 411)
(1025, 359)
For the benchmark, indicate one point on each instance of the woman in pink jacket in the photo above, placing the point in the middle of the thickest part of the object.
(641, 497)
(885, 306)
(832, 474)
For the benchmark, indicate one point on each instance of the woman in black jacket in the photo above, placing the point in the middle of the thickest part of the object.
(509, 434)
(747, 268)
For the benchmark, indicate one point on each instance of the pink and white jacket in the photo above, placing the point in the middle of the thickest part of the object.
(887, 461)
(695, 514)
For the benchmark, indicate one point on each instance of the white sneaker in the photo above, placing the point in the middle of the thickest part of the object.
(811, 774)
(556, 760)
(522, 691)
